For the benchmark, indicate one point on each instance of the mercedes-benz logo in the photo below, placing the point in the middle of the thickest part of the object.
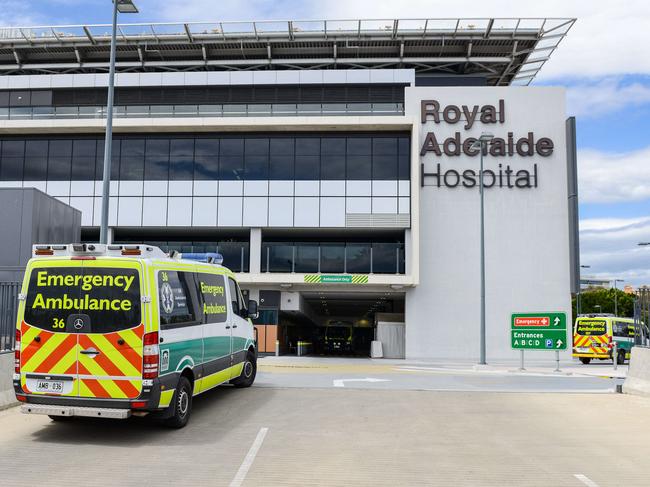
(78, 324)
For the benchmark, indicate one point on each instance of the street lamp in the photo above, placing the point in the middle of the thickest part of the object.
(578, 299)
(481, 144)
(616, 296)
(125, 7)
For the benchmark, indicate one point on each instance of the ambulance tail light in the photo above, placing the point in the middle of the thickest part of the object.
(151, 356)
(17, 353)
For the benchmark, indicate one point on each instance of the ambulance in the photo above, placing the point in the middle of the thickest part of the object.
(112, 331)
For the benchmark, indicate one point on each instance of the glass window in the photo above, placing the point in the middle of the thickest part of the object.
(212, 297)
(60, 160)
(175, 299)
(19, 98)
(277, 257)
(156, 160)
(404, 158)
(231, 159)
(622, 329)
(181, 159)
(384, 158)
(307, 158)
(206, 167)
(43, 98)
(282, 152)
(13, 156)
(256, 159)
(235, 298)
(333, 158)
(385, 258)
(332, 258)
(306, 257)
(357, 258)
(132, 159)
(36, 160)
(58, 295)
(83, 159)
(358, 158)
(235, 255)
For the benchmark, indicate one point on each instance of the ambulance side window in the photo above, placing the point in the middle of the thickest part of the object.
(176, 297)
(212, 297)
(235, 297)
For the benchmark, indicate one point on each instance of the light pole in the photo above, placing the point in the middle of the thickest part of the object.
(481, 144)
(578, 299)
(126, 7)
(616, 296)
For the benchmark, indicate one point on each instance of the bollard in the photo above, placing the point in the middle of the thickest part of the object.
(521, 360)
(614, 356)
(557, 361)
(277, 348)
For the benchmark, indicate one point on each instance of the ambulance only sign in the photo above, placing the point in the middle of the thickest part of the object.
(538, 331)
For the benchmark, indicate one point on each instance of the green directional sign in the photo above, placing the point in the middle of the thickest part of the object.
(538, 331)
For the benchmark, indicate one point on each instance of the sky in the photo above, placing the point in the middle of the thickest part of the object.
(602, 63)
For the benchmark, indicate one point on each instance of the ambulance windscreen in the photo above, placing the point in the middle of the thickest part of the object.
(83, 299)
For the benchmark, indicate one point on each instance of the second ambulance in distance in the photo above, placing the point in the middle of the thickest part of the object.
(118, 330)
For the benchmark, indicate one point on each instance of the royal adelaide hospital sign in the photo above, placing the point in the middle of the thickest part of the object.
(512, 145)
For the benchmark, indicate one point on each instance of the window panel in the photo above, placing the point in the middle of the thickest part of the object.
(156, 162)
(115, 160)
(13, 158)
(206, 147)
(385, 258)
(175, 297)
(384, 158)
(83, 159)
(333, 158)
(206, 167)
(277, 257)
(306, 257)
(332, 258)
(181, 159)
(256, 159)
(404, 158)
(36, 160)
(358, 167)
(282, 157)
(132, 159)
(358, 258)
(231, 159)
(307, 158)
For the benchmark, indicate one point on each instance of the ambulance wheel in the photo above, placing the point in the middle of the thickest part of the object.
(620, 357)
(248, 372)
(585, 360)
(182, 404)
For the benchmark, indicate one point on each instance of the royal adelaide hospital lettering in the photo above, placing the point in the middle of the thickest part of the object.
(504, 175)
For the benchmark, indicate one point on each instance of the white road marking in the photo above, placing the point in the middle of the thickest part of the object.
(585, 480)
(341, 382)
(249, 459)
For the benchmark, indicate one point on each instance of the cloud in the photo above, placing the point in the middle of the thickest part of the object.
(608, 39)
(611, 178)
(594, 99)
(609, 247)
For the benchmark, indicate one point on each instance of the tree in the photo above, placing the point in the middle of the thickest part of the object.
(590, 298)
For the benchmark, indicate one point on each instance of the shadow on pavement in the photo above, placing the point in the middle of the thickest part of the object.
(214, 413)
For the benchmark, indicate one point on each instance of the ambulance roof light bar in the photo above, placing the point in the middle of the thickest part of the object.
(92, 249)
(208, 257)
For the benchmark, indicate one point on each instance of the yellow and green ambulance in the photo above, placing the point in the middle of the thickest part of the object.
(112, 331)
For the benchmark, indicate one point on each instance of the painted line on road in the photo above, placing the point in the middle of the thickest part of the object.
(249, 459)
(341, 382)
(585, 480)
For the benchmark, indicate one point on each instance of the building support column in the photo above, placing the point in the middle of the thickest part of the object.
(255, 251)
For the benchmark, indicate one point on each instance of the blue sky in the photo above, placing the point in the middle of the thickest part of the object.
(602, 63)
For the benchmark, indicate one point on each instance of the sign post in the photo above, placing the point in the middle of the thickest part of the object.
(539, 331)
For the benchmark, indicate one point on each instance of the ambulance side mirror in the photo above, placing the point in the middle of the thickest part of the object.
(253, 312)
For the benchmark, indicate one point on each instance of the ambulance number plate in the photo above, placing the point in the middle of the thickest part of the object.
(51, 386)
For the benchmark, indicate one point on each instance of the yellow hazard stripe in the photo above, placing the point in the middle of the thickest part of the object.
(45, 351)
(114, 355)
(360, 279)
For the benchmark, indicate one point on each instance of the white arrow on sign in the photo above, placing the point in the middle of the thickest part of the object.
(556, 321)
(559, 343)
(341, 382)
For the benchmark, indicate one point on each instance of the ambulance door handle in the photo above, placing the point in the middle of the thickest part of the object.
(234, 326)
(228, 327)
(90, 351)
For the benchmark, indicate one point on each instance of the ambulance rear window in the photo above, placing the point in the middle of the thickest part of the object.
(83, 299)
(591, 327)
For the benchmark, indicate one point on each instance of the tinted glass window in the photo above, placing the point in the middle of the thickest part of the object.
(115, 159)
(277, 257)
(206, 159)
(357, 258)
(333, 158)
(307, 158)
(591, 327)
(83, 159)
(256, 159)
(181, 159)
(282, 158)
(404, 158)
(384, 158)
(358, 158)
(621, 329)
(13, 156)
(235, 299)
(175, 298)
(385, 258)
(306, 258)
(106, 300)
(231, 159)
(212, 296)
(156, 161)
(36, 160)
(132, 159)
(332, 258)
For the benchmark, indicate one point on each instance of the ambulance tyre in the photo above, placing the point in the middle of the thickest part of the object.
(585, 360)
(181, 404)
(248, 371)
